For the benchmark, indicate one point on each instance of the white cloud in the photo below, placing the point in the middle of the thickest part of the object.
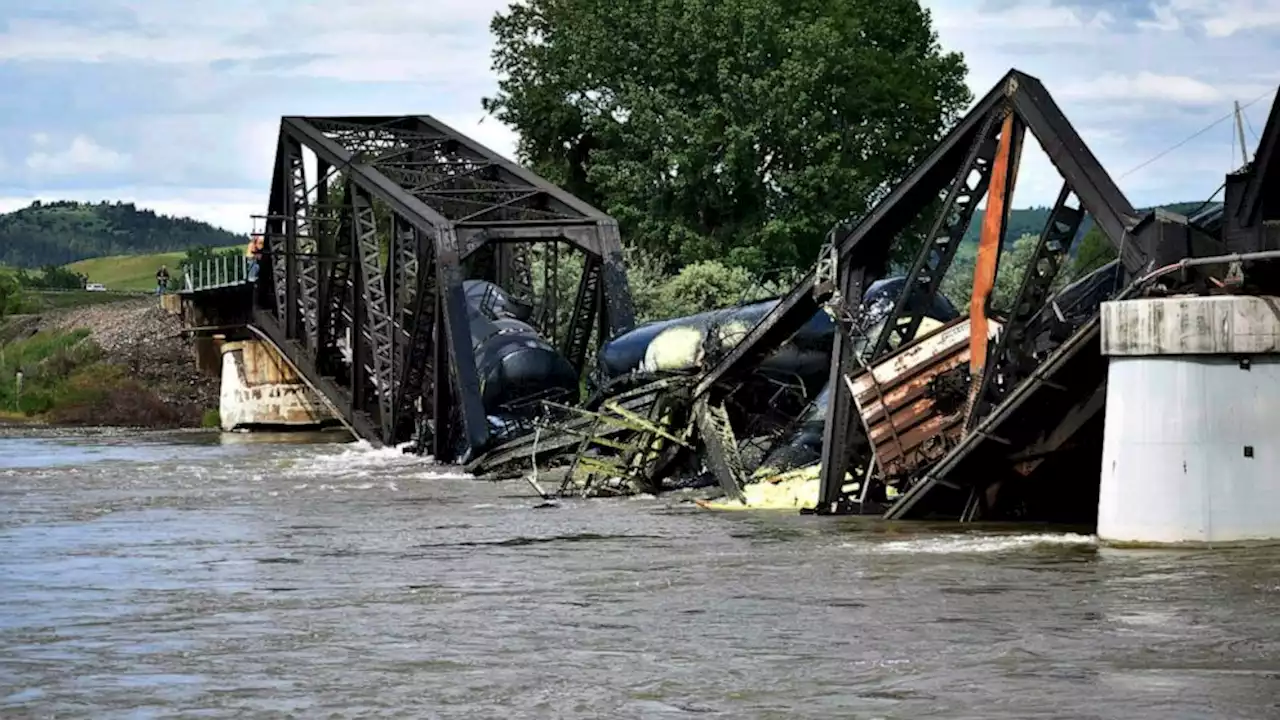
(1144, 85)
(1134, 84)
(215, 85)
(1034, 15)
(1228, 25)
(83, 155)
(443, 41)
(1224, 18)
(188, 149)
(223, 149)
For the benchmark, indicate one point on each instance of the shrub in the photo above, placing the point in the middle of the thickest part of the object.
(46, 360)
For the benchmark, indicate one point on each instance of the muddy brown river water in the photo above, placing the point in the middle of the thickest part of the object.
(223, 577)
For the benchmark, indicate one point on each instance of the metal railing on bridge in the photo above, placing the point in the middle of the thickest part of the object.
(216, 272)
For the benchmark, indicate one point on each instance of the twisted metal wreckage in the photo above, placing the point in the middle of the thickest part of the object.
(411, 304)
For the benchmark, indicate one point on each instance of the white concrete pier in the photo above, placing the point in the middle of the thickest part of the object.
(1191, 452)
(260, 389)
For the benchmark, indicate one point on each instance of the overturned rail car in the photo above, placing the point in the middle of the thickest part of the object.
(901, 385)
(998, 415)
(400, 279)
(883, 447)
(641, 430)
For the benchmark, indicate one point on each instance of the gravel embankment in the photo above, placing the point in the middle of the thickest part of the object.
(144, 338)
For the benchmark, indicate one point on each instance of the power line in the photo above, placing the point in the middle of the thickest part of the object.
(1206, 203)
(1250, 124)
(1193, 136)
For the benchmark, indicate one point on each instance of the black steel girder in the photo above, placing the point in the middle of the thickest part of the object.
(1033, 108)
(486, 197)
(924, 279)
(861, 251)
(1081, 171)
(339, 273)
(1264, 173)
(881, 226)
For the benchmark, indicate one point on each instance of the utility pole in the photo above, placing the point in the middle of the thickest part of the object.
(1244, 154)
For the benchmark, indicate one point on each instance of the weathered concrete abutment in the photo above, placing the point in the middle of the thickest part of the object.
(260, 390)
(1191, 453)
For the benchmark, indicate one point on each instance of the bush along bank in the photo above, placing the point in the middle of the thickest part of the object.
(63, 377)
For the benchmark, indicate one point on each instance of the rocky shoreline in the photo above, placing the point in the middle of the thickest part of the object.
(158, 384)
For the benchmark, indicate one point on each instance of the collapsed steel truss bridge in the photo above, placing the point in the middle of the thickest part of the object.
(370, 247)
(367, 251)
(1036, 386)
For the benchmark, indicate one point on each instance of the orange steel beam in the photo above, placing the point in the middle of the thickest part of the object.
(1003, 175)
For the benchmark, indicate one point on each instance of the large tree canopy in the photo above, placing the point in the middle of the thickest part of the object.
(736, 130)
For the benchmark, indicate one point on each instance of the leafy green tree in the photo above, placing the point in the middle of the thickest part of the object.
(53, 277)
(957, 285)
(735, 131)
(50, 277)
(10, 294)
(1095, 251)
(1014, 263)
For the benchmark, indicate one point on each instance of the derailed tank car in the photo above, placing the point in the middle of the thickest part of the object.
(636, 432)
(516, 365)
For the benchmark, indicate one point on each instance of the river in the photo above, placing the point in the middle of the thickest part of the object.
(198, 575)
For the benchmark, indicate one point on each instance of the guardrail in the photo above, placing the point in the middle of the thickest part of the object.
(217, 272)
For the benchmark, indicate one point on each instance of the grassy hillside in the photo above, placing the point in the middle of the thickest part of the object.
(129, 272)
(13, 299)
(64, 232)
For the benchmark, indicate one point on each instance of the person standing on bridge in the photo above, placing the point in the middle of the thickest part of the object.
(162, 280)
(254, 251)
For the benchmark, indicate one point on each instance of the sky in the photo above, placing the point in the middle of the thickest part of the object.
(154, 102)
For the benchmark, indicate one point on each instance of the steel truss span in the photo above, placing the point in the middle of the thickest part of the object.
(401, 253)
(978, 159)
(375, 227)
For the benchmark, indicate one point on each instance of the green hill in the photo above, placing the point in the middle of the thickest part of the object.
(130, 272)
(63, 232)
(1030, 221)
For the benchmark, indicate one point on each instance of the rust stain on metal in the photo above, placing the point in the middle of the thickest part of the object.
(906, 425)
(984, 271)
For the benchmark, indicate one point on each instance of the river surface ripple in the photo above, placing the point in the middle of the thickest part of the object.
(207, 576)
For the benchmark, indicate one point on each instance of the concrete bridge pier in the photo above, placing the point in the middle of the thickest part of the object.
(1191, 449)
(261, 391)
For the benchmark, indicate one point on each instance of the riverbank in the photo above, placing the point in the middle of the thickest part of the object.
(123, 363)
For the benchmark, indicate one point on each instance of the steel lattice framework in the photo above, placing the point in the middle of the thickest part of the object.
(958, 174)
(362, 284)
